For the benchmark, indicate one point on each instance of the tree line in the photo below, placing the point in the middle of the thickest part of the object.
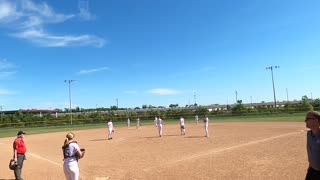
(101, 115)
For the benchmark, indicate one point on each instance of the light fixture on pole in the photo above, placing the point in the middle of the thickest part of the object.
(274, 91)
(70, 109)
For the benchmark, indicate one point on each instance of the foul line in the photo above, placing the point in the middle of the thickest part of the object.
(221, 150)
(45, 159)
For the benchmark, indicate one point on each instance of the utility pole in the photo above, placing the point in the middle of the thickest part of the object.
(236, 96)
(70, 108)
(287, 96)
(274, 91)
(117, 103)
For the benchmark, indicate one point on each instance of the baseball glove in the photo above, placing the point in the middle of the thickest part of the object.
(12, 164)
(83, 152)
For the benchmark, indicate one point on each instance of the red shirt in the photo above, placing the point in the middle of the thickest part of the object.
(19, 146)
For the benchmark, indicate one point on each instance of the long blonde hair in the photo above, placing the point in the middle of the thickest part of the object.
(69, 138)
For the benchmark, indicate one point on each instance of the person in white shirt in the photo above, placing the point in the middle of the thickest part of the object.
(182, 128)
(110, 129)
(71, 154)
(128, 122)
(137, 122)
(206, 124)
(196, 119)
(158, 122)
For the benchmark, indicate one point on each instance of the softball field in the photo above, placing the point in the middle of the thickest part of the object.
(234, 150)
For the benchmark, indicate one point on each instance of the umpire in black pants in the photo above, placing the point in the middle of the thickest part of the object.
(19, 150)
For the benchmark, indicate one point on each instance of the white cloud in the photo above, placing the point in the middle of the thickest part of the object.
(84, 10)
(28, 19)
(42, 38)
(6, 10)
(162, 91)
(89, 71)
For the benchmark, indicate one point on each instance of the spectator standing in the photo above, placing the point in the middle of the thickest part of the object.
(313, 145)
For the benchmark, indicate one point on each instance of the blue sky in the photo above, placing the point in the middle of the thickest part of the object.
(156, 52)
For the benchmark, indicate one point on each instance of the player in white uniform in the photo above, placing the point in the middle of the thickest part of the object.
(196, 119)
(71, 154)
(158, 121)
(110, 129)
(138, 122)
(128, 122)
(206, 124)
(182, 128)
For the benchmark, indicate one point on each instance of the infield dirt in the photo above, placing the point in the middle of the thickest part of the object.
(234, 150)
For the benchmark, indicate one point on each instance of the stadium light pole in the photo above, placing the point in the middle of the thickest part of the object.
(274, 91)
(287, 96)
(70, 109)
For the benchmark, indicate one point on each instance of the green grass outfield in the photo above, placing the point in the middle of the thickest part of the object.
(296, 117)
